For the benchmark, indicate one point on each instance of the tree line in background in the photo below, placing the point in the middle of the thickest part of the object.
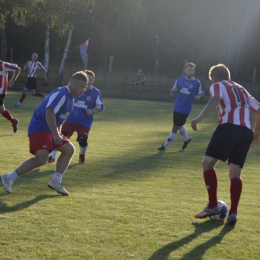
(155, 35)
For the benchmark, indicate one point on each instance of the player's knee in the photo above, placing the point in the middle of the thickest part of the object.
(41, 160)
(83, 141)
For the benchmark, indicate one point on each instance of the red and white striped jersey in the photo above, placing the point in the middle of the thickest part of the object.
(236, 103)
(32, 67)
(4, 68)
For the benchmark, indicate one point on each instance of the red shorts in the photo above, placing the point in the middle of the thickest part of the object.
(44, 141)
(70, 128)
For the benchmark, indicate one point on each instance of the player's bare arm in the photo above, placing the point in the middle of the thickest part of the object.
(213, 102)
(14, 77)
(256, 129)
(51, 122)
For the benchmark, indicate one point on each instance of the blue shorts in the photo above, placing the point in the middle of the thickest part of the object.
(230, 142)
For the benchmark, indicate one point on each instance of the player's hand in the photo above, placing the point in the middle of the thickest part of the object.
(197, 97)
(58, 139)
(194, 124)
(10, 83)
(90, 112)
(255, 140)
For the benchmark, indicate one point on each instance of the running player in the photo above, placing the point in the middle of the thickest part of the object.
(32, 67)
(188, 89)
(81, 118)
(5, 67)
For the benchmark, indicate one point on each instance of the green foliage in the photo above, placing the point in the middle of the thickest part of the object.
(129, 201)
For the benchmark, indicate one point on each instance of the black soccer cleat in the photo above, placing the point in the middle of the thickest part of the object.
(185, 143)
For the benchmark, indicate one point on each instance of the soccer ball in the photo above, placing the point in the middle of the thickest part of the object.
(223, 211)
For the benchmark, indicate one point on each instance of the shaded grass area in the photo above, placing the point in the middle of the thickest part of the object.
(129, 201)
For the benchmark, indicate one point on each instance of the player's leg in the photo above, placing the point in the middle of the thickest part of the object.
(23, 96)
(67, 151)
(40, 159)
(178, 121)
(218, 148)
(83, 133)
(186, 138)
(36, 94)
(236, 162)
(6, 114)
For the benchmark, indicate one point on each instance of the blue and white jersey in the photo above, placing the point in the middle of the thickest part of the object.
(60, 101)
(88, 100)
(185, 95)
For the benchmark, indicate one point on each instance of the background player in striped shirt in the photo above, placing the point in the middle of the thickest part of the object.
(5, 67)
(32, 67)
(188, 89)
(44, 132)
(231, 139)
(81, 118)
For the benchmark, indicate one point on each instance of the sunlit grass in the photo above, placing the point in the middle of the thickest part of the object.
(129, 201)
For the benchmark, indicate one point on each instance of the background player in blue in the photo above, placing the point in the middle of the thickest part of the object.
(188, 88)
(45, 135)
(81, 118)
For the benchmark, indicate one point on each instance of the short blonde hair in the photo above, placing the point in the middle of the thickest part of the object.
(220, 72)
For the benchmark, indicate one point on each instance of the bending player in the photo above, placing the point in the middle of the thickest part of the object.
(44, 134)
(81, 119)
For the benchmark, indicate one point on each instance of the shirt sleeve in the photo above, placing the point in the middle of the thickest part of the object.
(10, 66)
(215, 90)
(56, 100)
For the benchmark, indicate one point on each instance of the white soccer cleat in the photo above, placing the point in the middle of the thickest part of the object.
(7, 183)
(58, 187)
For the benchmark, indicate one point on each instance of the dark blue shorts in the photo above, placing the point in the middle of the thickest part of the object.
(2, 96)
(31, 83)
(230, 142)
(179, 119)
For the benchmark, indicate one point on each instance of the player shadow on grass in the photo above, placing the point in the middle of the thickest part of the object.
(198, 252)
(4, 208)
(138, 165)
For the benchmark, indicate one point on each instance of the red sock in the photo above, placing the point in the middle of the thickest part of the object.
(235, 193)
(211, 182)
(7, 115)
(38, 94)
(22, 98)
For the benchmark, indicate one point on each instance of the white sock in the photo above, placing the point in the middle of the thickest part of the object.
(183, 132)
(170, 138)
(57, 177)
(53, 154)
(82, 150)
(12, 175)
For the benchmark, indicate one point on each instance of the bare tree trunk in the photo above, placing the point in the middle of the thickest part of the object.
(230, 35)
(47, 45)
(241, 43)
(65, 55)
(3, 47)
(157, 56)
(47, 49)
(110, 67)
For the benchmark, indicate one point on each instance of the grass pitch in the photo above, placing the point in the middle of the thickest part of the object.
(129, 201)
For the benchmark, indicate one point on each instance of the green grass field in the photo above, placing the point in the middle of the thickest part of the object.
(129, 201)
